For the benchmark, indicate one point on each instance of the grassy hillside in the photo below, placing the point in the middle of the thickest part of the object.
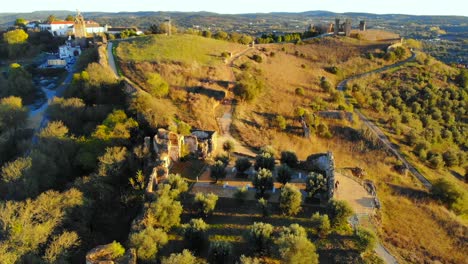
(176, 48)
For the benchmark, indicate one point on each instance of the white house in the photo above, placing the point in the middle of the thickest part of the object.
(94, 28)
(58, 28)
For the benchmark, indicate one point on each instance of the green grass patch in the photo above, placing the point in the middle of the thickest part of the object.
(185, 49)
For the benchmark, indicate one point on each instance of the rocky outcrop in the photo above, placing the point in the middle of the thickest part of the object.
(104, 255)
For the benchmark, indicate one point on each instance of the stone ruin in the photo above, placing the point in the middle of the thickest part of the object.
(323, 163)
(342, 28)
(169, 147)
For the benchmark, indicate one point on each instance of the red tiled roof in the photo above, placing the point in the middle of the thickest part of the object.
(62, 22)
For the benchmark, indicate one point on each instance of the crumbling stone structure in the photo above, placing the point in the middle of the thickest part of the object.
(169, 147)
(362, 25)
(344, 28)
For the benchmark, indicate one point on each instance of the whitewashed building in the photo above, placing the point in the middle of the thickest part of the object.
(58, 28)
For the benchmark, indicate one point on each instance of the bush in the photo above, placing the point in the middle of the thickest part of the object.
(446, 192)
(205, 203)
(165, 212)
(242, 164)
(195, 234)
(280, 122)
(321, 224)
(284, 174)
(265, 161)
(365, 240)
(186, 257)
(147, 243)
(263, 181)
(300, 91)
(436, 161)
(290, 200)
(339, 212)
(218, 171)
(260, 237)
(297, 250)
(289, 158)
(220, 252)
(315, 183)
(257, 58)
(450, 158)
(241, 195)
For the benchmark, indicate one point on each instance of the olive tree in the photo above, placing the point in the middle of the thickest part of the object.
(263, 181)
(290, 200)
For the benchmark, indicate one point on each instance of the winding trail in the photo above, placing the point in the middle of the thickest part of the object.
(225, 121)
(377, 131)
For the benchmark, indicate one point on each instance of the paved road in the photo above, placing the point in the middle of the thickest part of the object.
(377, 131)
(59, 91)
(110, 58)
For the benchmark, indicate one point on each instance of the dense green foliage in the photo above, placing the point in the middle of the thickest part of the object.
(339, 211)
(263, 181)
(205, 203)
(284, 174)
(260, 236)
(148, 242)
(218, 170)
(290, 200)
(186, 257)
(315, 183)
(195, 234)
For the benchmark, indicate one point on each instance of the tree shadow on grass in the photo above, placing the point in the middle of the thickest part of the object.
(409, 192)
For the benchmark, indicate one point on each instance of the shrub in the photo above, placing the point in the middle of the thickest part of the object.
(260, 237)
(220, 252)
(147, 243)
(242, 164)
(289, 158)
(297, 250)
(290, 200)
(450, 158)
(365, 240)
(263, 181)
(195, 234)
(284, 174)
(339, 212)
(436, 161)
(264, 207)
(446, 192)
(257, 58)
(265, 161)
(156, 85)
(186, 257)
(321, 224)
(315, 183)
(280, 122)
(218, 171)
(241, 195)
(205, 202)
(325, 85)
(165, 212)
(300, 91)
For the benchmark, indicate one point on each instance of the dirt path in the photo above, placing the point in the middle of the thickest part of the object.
(225, 121)
(377, 131)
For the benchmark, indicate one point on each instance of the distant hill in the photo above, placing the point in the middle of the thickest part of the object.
(143, 18)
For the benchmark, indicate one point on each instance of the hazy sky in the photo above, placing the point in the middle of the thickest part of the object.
(415, 7)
